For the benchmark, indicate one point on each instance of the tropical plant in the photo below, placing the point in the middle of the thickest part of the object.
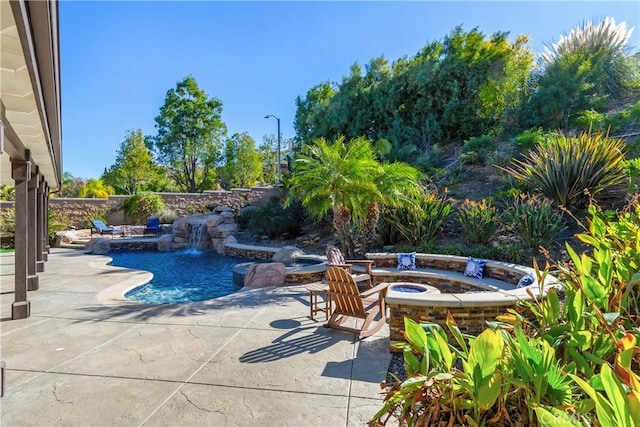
(570, 170)
(190, 133)
(7, 192)
(347, 180)
(479, 220)
(534, 220)
(421, 225)
(550, 362)
(96, 188)
(477, 149)
(398, 185)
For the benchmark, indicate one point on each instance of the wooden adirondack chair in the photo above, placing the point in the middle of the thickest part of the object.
(348, 301)
(362, 277)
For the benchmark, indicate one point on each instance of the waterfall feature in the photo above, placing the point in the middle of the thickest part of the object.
(197, 235)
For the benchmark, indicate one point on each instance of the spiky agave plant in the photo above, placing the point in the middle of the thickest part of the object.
(568, 170)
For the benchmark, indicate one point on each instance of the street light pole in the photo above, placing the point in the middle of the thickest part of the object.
(278, 166)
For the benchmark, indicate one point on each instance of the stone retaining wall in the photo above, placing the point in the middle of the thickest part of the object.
(78, 212)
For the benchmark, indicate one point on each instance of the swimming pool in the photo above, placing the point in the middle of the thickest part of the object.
(179, 277)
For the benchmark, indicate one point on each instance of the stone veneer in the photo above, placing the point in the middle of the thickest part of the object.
(458, 295)
(80, 211)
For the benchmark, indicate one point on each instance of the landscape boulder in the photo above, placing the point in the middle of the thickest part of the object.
(165, 242)
(98, 246)
(265, 274)
(287, 254)
(65, 237)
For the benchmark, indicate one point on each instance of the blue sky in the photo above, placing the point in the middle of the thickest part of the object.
(119, 59)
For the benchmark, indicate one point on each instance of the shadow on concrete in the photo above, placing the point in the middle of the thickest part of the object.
(253, 298)
(288, 345)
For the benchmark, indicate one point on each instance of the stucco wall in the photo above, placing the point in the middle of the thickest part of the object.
(79, 211)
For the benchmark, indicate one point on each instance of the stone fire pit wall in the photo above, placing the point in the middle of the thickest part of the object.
(471, 302)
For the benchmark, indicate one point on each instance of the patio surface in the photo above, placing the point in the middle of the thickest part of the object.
(87, 357)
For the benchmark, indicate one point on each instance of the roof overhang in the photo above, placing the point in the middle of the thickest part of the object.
(30, 105)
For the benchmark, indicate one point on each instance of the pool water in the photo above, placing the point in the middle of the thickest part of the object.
(179, 277)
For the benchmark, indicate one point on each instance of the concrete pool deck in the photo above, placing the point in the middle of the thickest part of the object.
(251, 358)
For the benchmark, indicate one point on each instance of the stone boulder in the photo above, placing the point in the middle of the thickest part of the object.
(220, 245)
(66, 237)
(221, 209)
(165, 242)
(98, 246)
(222, 231)
(261, 275)
(287, 254)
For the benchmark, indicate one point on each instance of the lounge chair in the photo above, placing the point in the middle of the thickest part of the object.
(153, 226)
(98, 226)
(362, 272)
(348, 301)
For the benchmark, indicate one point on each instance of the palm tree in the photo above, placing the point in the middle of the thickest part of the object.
(398, 185)
(347, 180)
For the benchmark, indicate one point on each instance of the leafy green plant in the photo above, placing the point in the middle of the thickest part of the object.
(477, 149)
(8, 221)
(529, 139)
(480, 220)
(568, 170)
(591, 120)
(534, 220)
(419, 226)
(631, 168)
(143, 205)
(273, 219)
(569, 356)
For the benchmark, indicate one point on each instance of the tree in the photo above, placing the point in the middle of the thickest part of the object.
(243, 162)
(190, 134)
(71, 185)
(96, 188)
(347, 180)
(134, 167)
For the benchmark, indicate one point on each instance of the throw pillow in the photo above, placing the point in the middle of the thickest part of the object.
(475, 267)
(407, 261)
(526, 280)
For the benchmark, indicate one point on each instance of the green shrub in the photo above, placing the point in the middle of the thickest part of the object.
(591, 120)
(421, 226)
(480, 220)
(529, 139)
(534, 221)
(273, 219)
(452, 249)
(631, 168)
(8, 221)
(569, 170)
(512, 252)
(143, 205)
(476, 150)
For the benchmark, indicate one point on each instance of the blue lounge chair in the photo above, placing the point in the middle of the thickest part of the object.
(153, 226)
(98, 226)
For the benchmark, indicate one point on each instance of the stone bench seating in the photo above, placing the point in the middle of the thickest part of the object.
(470, 301)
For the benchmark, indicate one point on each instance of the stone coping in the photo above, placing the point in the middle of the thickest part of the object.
(253, 248)
(491, 290)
